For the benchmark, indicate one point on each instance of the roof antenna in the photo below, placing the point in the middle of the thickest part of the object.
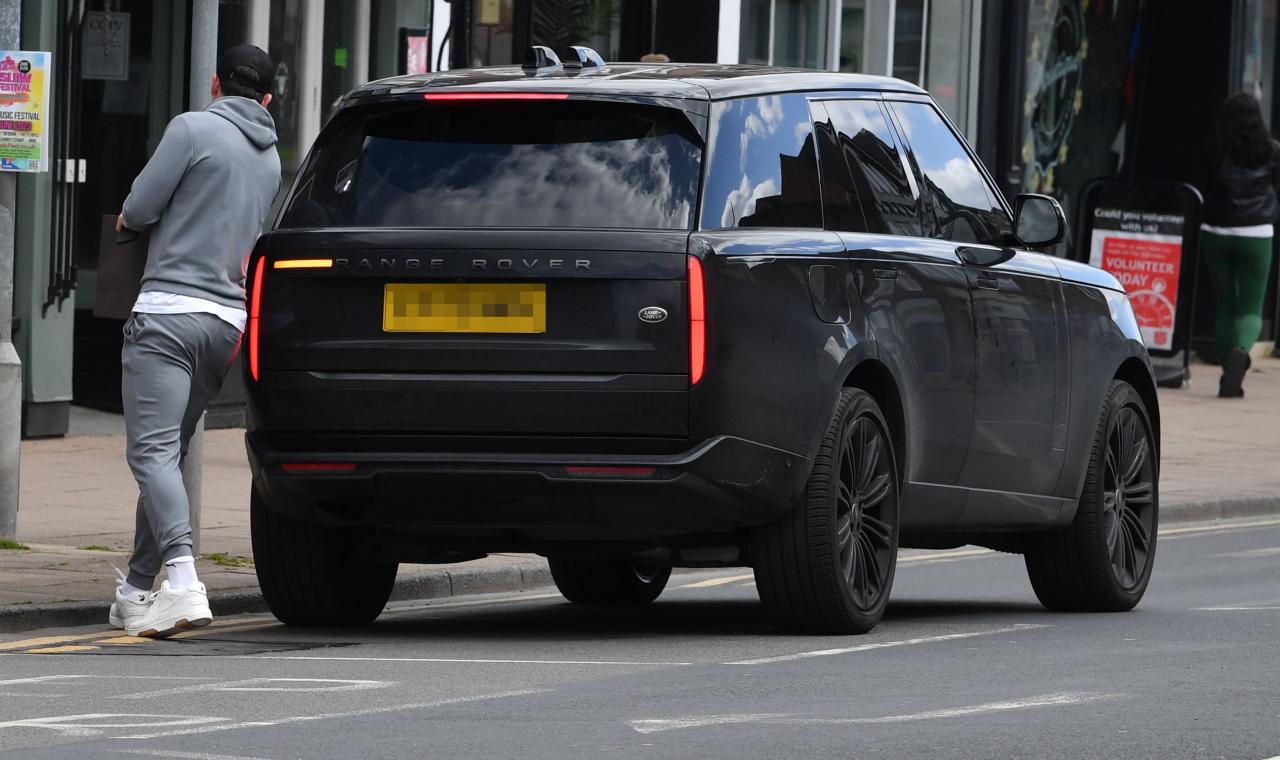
(539, 58)
(585, 57)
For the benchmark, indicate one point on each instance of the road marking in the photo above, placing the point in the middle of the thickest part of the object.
(336, 716)
(173, 753)
(225, 629)
(1043, 700)
(119, 640)
(710, 582)
(945, 556)
(458, 660)
(887, 644)
(1270, 551)
(37, 679)
(1234, 609)
(73, 724)
(63, 649)
(1217, 528)
(46, 641)
(267, 684)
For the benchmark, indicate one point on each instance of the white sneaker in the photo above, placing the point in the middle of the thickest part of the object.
(128, 610)
(173, 611)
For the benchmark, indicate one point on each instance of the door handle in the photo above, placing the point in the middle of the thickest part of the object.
(884, 274)
(986, 282)
(984, 257)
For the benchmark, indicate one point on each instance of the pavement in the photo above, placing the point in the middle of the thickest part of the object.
(77, 503)
(966, 664)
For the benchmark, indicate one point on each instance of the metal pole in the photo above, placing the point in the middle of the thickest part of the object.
(204, 60)
(10, 365)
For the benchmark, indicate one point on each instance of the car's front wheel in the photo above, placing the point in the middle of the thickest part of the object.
(309, 574)
(828, 566)
(1102, 561)
(614, 581)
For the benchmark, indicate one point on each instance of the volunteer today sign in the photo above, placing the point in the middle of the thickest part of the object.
(24, 110)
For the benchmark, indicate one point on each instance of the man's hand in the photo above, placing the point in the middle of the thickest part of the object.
(120, 223)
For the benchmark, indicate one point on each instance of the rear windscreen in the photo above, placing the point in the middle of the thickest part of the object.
(501, 164)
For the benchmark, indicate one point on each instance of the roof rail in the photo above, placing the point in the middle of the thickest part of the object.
(584, 57)
(539, 58)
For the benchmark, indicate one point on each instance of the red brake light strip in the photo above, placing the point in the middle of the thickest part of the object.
(496, 96)
(697, 322)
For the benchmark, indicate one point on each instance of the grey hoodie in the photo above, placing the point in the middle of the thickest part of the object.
(206, 190)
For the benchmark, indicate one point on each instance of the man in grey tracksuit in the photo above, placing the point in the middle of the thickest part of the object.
(205, 194)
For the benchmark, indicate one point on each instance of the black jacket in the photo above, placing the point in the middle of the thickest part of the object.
(1236, 196)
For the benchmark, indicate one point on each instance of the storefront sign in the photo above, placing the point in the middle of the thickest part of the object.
(415, 50)
(24, 111)
(105, 46)
(1143, 249)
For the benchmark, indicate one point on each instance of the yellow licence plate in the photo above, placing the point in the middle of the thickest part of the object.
(470, 308)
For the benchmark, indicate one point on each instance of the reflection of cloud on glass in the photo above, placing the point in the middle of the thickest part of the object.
(625, 183)
(764, 122)
(741, 202)
(960, 181)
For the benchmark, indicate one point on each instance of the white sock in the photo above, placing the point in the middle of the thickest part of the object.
(182, 573)
(127, 590)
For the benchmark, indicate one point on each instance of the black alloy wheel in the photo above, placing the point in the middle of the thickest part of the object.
(828, 566)
(1102, 562)
(864, 514)
(1128, 493)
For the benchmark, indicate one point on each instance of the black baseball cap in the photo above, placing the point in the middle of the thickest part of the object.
(247, 57)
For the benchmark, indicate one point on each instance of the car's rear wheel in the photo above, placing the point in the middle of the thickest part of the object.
(828, 566)
(1102, 561)
(309, 575)
(608, 580)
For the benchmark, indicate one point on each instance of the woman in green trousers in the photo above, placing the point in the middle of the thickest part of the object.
(1241, 180)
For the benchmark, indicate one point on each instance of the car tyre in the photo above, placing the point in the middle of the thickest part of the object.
(828, 566)
(1102, 561)
(308, 575)
(608, 581)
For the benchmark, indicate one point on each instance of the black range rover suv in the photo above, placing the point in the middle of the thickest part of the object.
(636, 316)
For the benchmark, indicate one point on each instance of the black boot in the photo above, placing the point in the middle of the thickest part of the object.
(1234, 365)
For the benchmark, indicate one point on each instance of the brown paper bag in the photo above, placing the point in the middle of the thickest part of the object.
(119, 271)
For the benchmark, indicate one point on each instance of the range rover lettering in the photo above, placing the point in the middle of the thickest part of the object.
(642, 316)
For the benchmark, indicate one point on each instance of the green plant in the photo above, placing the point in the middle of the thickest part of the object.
(95, 548)
(227, 560)
(560, 23)
(6, 543)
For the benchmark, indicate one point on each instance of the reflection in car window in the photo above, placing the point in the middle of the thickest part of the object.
(961, 207)
(889, 202)
(763, 170)
(561, 164)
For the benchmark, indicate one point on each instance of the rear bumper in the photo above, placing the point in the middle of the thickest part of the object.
(497, 501)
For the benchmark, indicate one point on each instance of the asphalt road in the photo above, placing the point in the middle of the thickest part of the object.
(966, 664)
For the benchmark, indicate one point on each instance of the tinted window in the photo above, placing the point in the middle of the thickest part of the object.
(512, 164)
(889, 201)
(763, 170)
(961, 207)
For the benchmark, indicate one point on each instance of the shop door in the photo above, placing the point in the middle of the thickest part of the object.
(127, 81)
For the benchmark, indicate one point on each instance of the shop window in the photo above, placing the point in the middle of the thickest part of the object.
(961, 206)
(388, 19)
(763, 170)
(785, 33)
(875, 169)
(594, 23)
(853, 18)
(908, 40)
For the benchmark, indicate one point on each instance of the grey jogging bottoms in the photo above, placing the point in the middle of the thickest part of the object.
(173, 365)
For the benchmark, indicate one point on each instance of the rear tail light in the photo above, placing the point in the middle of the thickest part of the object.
(255, 307)
(296, 468)
(303, 264)
(697, 322)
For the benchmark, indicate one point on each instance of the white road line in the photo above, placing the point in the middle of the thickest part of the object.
(267, 684)
(1235, 609)
(74, 725)
(886, 644)
(337, 716)
(1194, 529)
(1043, 700)
(459, 660)
(1270, 551)
(37, 679)
(722, 580)
(179, 755)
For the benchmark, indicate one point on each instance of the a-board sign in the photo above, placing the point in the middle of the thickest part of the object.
(1147, 235)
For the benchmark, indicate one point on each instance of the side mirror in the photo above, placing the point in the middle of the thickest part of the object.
(1038, 220)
